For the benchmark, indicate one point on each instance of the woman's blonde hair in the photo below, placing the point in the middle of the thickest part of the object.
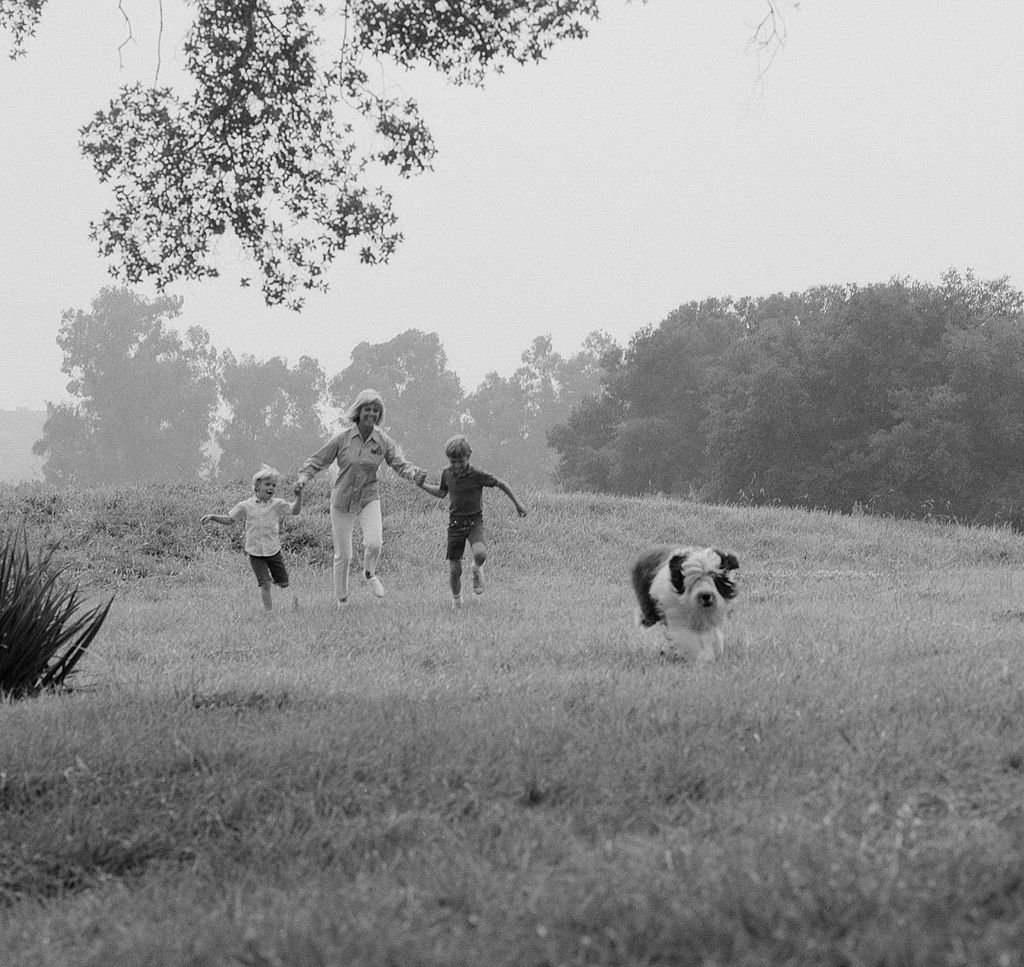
(365, 396)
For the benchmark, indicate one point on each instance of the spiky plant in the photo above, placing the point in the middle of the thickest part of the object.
(44, 630)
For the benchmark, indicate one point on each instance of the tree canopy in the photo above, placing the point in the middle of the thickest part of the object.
(282, 140)
(903, 398)
(284, 133)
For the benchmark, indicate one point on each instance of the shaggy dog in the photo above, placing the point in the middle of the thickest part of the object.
(687, 590)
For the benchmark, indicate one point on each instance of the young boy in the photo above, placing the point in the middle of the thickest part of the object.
(262, 515)
(464, 485)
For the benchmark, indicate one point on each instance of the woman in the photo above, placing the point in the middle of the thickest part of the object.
(359, 449)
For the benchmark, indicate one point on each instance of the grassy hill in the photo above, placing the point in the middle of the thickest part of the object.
(19, 429)
(525, 782)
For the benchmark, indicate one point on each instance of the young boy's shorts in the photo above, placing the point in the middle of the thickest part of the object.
(269, 569)
(460, 530)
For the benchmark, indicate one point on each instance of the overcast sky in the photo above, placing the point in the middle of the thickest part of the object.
(636, 170)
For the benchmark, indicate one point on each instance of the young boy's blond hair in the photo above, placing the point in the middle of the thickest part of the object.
(265, 472)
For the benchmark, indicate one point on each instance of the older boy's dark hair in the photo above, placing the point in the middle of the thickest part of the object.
(457, 446)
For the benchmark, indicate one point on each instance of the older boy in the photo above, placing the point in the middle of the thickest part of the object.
(262, 514)
(464, 486)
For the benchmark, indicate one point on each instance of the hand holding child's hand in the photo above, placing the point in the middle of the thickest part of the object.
(521, 511)
(421, 478)
(297, 489)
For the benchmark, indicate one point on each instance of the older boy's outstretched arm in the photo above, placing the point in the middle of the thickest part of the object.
(507, 490)
(430, 489)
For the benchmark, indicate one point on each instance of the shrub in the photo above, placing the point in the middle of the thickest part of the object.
(43, 629)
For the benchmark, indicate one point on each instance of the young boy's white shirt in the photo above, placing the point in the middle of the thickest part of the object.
(262, 523)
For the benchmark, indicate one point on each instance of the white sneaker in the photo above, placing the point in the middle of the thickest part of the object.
(373, 582)
(456, 602)
(478, 580)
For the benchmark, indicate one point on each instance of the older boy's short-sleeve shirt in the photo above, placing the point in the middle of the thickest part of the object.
(466, 491)
(262, 524)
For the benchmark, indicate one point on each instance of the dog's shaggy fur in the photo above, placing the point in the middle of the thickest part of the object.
(688, 591)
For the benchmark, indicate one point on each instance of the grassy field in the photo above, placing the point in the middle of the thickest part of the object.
(525, 782)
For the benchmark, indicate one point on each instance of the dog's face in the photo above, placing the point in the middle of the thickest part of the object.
(687, 589)
(702, 579)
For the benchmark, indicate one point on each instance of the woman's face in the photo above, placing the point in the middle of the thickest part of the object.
(459, 464)
(369, 415)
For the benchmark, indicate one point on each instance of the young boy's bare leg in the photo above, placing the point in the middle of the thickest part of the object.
(455, 582)
(479, 557)
(268, 604)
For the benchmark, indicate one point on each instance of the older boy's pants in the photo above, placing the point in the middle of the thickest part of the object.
(343, 524)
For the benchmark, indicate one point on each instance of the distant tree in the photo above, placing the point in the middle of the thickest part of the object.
(903, 397)
(582, 373)
(768, 421)
(537, 383)
(145, 396)
(648, 423)
(422, 396)
(955, 445)
(588, 458)
(512, 417)
(495, 415)
(273, 413)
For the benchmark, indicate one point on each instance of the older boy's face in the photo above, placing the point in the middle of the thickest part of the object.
(265, 488)
(459, 465)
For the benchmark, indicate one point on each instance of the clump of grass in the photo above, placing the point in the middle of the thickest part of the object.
(44, 630)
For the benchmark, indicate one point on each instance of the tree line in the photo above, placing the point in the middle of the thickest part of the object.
(904, 398)
(150, 403)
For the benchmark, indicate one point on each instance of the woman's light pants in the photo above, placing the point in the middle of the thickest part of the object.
(343, 523)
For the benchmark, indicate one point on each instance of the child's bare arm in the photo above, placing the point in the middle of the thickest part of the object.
(433, 491)
(297, 505)
(507, 490)
(217, 519)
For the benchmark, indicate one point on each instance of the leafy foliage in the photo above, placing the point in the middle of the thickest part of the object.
(145, 395)
(20, 18)
(464, 40)
(258, 150)
(282, 142)
(43, 630)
